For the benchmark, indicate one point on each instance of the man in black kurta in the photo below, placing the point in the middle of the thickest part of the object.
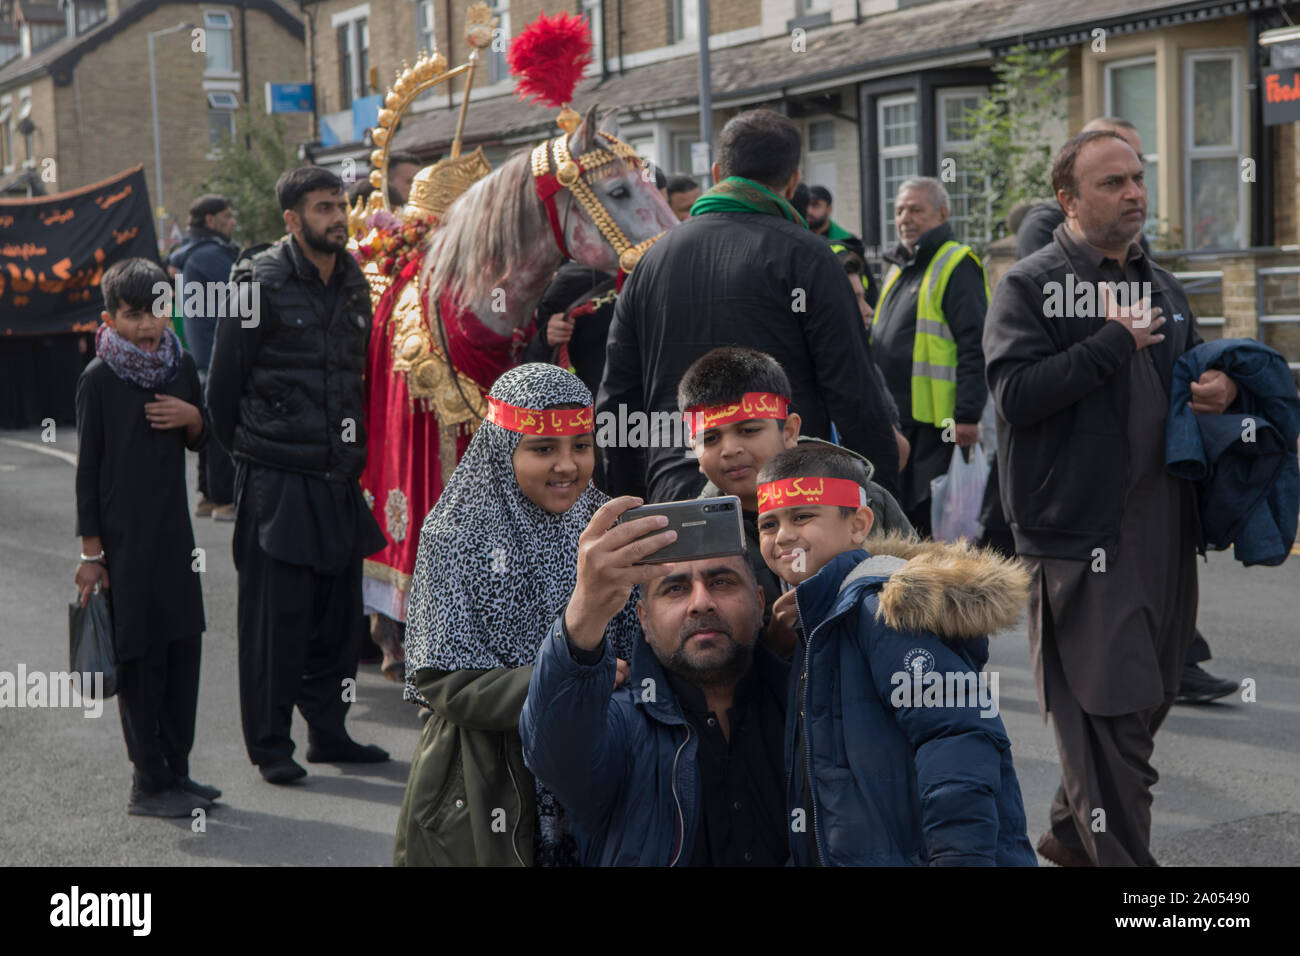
(1195, 685)
(1080, 378)
(287, 398)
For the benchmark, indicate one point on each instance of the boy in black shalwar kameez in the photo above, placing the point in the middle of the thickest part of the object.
(138, 408)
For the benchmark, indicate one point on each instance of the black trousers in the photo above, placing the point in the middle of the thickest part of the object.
(298, 643)
(1102, 808)
(157, 698)
(216, 474)
(216, 468)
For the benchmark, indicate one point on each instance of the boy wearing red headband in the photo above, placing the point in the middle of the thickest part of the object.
(895, 752)
(737, 408)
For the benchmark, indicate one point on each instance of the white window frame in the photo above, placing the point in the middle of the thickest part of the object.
(686, 20)
(591, 10)
(219, 100)
(675, 140)
(6, 117)
(421, 45)
(212, 23)
(496, 67)
(817, 121)
(1234, 151)
(348, 20)
(75, 10)
(814, 160)
(943, 144)
(29, 140)
(347, 16)
(1152, 226)
(7, 131)
(893, 152)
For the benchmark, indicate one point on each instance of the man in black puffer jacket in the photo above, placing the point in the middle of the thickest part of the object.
(286, 382)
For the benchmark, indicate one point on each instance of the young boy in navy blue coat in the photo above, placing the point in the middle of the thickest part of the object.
(895, 752)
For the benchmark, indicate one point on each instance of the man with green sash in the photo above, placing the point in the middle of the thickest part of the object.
(743, 270)
(926, 335)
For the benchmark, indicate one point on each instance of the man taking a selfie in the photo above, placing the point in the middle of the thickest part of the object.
(682, 766)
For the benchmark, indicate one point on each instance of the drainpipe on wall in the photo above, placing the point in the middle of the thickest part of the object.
(706, 90)
(604, 33)
(1261, 145)
(311, 70)
(451, 48)
(620, 37)
(243, 61)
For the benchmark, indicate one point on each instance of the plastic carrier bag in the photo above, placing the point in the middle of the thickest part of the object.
(90, 640)
(956, 498)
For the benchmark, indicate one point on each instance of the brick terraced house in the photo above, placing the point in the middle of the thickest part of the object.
(75, 103)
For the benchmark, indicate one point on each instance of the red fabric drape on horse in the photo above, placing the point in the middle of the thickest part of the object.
(404, 471)
(475, 349)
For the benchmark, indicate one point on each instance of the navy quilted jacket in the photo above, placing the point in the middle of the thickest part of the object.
(1243, 461)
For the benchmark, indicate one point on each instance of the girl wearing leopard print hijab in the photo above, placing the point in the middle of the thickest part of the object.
(497, 562)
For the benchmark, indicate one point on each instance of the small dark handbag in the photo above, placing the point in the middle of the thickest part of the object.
(90, 641)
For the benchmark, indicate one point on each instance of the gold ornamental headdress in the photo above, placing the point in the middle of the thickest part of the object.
(434, 187)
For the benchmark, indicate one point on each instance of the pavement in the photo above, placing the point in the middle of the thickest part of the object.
(1229, 790)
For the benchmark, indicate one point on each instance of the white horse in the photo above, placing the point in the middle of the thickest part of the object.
(495, 251)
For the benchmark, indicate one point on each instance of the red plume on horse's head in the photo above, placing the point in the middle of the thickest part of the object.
(549, 56)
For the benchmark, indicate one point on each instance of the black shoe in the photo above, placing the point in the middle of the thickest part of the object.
(199, 789)
(284, 770)
(345, 751)
(172, 802)
(1199, 687)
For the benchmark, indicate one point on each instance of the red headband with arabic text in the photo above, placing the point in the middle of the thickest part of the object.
(790, 492)
(751, 405)
(550, 423)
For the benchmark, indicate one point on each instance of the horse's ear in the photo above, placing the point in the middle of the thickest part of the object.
(584, 137)
(609, 123)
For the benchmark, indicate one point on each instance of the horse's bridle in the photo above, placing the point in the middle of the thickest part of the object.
(555, 169)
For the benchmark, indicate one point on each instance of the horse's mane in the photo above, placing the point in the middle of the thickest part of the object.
(496, 224)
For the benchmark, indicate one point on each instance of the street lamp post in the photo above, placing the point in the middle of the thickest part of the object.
(157, 149)
(706, 89)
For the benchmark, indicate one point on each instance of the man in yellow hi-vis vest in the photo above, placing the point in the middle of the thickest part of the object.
(926, 336)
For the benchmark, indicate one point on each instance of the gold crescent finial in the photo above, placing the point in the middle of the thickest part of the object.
(429, 71)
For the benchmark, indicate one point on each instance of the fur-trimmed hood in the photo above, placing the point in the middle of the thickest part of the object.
(952, 589)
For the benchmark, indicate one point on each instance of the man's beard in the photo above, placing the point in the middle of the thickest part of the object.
(321, 242)
(1116, 233)
(726, 673)
(815, 222)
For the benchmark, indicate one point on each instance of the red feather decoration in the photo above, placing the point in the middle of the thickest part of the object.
(549, 56)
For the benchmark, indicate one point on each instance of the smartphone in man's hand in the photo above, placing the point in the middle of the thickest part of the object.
(706, 528)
